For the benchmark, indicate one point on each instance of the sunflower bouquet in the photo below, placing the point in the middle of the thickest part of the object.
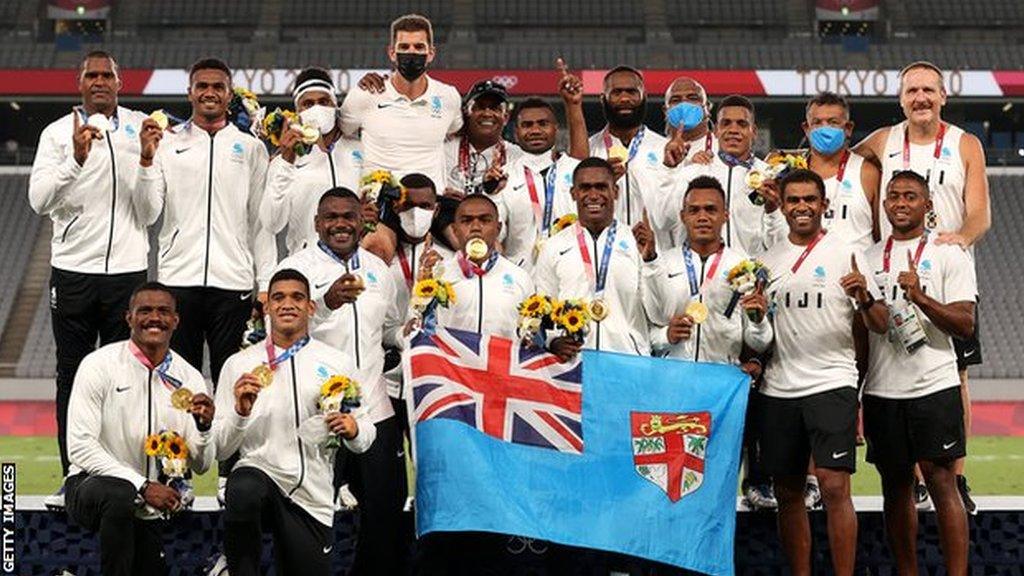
(563, 223)
(383, 189)
(743, 278)
(338, 394)
(534, 316)
(573, 317)
(171, 451)
(272, 128)
(780, 163)
(427, 295)
(244, 109)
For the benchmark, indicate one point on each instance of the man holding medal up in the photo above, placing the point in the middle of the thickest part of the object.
(270, 412)
(356, 308)
(809, 394)
(596, 259)
(912, 409)
(124, 393)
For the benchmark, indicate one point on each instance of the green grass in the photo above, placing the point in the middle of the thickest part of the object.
(994, 466)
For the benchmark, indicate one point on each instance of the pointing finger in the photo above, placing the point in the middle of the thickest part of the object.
(561, 67)
(910, 261)
(853, 263)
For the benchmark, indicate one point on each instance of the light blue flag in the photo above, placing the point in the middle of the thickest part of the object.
(656, 477)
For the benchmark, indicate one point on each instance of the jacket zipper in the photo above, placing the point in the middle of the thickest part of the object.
(113, 203)
(728, 202)
(334, 179)
(209, 214)
(700, 298)
(597, 337)
(480, 306)
(355, 339)
(298, 440)
(149, 414)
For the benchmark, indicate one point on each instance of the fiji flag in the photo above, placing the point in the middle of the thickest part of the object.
(640, 458)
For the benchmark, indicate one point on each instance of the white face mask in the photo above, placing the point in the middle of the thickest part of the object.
(325, 118)
(416, 222)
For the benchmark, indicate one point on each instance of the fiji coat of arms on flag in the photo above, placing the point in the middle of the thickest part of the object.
(669, 449)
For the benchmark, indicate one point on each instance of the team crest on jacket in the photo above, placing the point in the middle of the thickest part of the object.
(669, 449)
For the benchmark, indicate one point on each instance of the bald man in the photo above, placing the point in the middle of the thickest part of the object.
(687, 122)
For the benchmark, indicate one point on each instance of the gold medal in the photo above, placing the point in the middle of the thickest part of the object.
(181, 398)
(618, 151)
(264, 374)
(598, 309)
(160, 117)
(476, 249)
(697, 310)
(755, 179)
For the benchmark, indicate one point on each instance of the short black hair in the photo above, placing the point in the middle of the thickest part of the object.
(531, 103)
(152, 286)
(418, 180)
(622, 68)
(288, 274)
(593, 162)
(100, 54)
(209, 64)
(913, 177)
(828, 99)
(477, 198)
(736, 100)
(339, 192)
(802, 175)
(704, 183)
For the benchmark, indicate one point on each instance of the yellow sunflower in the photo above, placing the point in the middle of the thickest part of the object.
(563, 223)
(154, 444)
(334, 385)
(798, 162)
(426, 288)
(176, 448)
(448, 292)
(573, 321)
(535, 306)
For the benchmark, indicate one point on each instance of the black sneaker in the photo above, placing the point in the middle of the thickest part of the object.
(965, 495)
(921, 499)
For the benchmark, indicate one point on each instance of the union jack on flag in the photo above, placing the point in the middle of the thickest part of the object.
(508, 391)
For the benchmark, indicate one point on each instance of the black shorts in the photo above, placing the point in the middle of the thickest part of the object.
(822, 425)
(968, 352)
(903, 432)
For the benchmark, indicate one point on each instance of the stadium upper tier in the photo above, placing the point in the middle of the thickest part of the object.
(781, 34)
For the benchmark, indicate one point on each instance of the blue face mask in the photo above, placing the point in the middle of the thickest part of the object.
(827, 139)
(685, 114)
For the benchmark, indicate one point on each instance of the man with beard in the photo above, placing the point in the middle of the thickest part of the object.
(207, 180)
(953, 162)
(355, 296)
(809, 396)
(633, 149)
(83, 178)
(124, 392)
(270, 412)
(403, 127)
(536, 193)
(597, 259)
(687, 122)
(754, 223)
(850, 182)
(295, 183)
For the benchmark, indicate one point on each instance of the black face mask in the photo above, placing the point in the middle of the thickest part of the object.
(631, 120)
(410, 65)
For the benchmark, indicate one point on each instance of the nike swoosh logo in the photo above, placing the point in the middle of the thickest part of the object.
(246, 296)
(950, 445)
(297, 166)
(518, 187)
(401, 454)
(319, 286)
(119, 389)
(674, 275)
(838, 455)
(379, 106)
(564, 252)
(969, 353)
(182, 150)
(327, 549)
(894, 154)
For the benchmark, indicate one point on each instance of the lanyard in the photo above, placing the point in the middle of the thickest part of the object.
(602, 273)
(707, 142)
(403, 261)
(351, 264)
(169, 381)
(465, 155)
(469, 268)
(691, 271)
(273, 361)
(634, 146)
(939, 136)
(886, 255)
(543, 217)
(732, 161)
(807, 251)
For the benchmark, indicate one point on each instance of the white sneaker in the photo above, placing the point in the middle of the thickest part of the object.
(812, 494)
(222, 491)
(55, 501)
(921, 498)
(346, 500)
(760, 497)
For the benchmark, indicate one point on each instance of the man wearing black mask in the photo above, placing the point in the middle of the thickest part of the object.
(403, 119)
(634, 150)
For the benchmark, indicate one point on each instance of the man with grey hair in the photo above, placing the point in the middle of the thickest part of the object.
(83, 178)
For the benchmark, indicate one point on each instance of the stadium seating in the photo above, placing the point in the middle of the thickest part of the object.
(18, 230)
(174, 13)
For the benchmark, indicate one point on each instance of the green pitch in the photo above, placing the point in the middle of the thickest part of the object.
(994, 467)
